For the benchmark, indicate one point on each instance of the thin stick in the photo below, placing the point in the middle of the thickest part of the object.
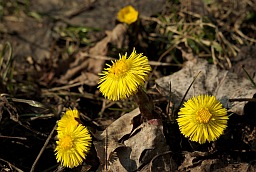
(11, 165)
(43, 148)
(106, 150)
(11, 137)
(242, 100)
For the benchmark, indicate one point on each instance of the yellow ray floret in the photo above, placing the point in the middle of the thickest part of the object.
(73, 145)
(127, 15)
(123, 78)
(202, 119)
(70, 118)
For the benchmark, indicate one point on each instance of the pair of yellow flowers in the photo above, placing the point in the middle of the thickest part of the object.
(74, 140)
(201, 119)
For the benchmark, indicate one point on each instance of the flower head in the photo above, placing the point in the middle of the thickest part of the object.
(73, 145)
(127, 15)
(70, 118)
(124, 77)
(202, 119)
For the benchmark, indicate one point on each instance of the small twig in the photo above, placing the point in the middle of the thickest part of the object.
(34, 131)
(43, 148)
(106, 150)
(242, 100)
(30, 102)
(105, 104)
(153, 63)
(82, 9)
(12, 166)
(169, 98)
(157, 63)
(153, 19)
(65, 87)
(42, 116)
(11, 137)
(99, 57)
(64, 93)
(89, 119)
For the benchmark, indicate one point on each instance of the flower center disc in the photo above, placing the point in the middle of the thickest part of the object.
(203, 115)
(120, 68)
(66, 142)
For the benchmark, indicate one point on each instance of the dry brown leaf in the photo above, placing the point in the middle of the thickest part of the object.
(237, 167)
(116, 37)
(161, 162)
(221, 83)
(198, 161)
(191, 159)
(130, 148)
(122, 126)
(113, 134)
(146, 142)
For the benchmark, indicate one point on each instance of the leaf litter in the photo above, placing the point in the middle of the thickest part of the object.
(128, 144)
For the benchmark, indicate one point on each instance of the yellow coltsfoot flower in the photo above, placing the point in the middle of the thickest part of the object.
(74, 140)
(127, 15)
(73, 145)
(202, 119)
(123, 78)
(70, 118)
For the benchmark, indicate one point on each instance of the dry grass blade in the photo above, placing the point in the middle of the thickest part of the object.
(30, 102)
(5, 68)
(250, 78)
(183, 98)
(11, 137)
